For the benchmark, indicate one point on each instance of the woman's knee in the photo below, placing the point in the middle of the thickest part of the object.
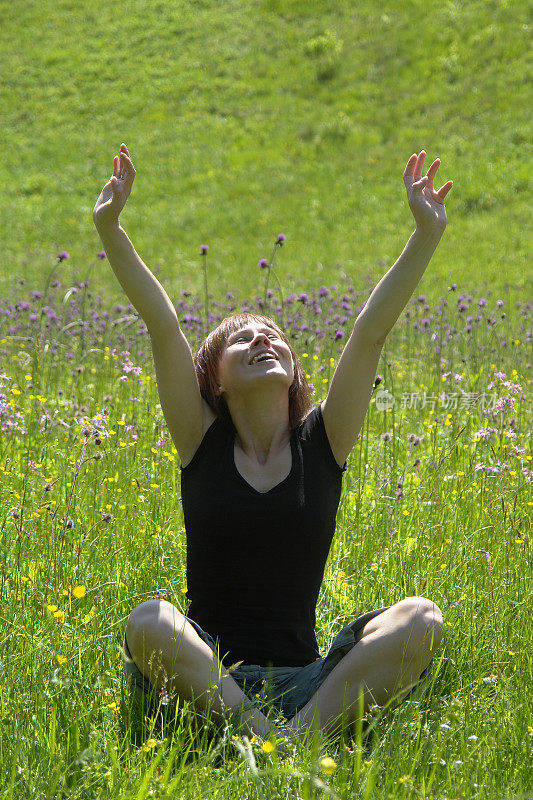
(423, 623)
(149, 623)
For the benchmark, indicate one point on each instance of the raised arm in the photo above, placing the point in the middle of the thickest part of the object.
(345, 407)
(186, 413)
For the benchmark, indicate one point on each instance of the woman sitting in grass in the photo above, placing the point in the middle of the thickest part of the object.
(261, 474)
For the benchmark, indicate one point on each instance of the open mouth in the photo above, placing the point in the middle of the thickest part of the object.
(263, 357)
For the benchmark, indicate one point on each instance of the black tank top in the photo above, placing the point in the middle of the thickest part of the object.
(255, 561)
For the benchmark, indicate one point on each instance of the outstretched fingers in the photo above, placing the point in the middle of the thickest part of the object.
(413, 169)
(417, 173)
(431, 173)
(409, 170)
(126, 170)
(443, 191)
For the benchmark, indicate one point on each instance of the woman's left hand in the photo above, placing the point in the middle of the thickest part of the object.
(426, 204)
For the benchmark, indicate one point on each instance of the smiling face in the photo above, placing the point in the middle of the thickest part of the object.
(255, 352)
(209, 356)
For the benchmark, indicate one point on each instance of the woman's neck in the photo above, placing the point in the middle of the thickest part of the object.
(262, 425)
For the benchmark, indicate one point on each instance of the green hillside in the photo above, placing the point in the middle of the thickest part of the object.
(246, 120)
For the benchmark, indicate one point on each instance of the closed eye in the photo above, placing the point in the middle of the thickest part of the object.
(271, 335)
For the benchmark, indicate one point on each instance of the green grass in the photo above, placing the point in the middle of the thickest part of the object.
(416, 518)
(241, 128)
(238, 132)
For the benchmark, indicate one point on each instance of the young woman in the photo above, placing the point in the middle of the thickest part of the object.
(261, 473)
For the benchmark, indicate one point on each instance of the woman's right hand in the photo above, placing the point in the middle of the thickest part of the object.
(115, 193)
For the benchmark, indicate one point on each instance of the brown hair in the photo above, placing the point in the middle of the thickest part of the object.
(207, 357)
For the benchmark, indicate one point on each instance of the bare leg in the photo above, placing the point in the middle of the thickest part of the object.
(394, 649)
(169, 652)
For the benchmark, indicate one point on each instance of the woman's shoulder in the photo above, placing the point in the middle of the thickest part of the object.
(310, 421)
(208, 417)
(211, 423)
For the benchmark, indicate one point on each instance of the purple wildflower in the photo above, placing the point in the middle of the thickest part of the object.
(101, 255)
(63, 256)
(281, 238)
(263, 263)
(204, 248)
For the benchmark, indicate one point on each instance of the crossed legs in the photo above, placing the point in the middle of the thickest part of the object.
(392, 651)
(168, 651)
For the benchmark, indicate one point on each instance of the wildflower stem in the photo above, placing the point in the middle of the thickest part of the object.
(206, 296)
(270, 266)
(282, 325)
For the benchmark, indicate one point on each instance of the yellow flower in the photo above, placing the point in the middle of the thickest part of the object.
(374, 567)
(113, 707)
(60, 615)
(60, 659)
(149, 745)
(79, 591)
(519, 541)
(328, 765)
(52, 608)
(267, 747)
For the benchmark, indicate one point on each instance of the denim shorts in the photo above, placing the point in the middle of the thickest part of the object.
(287, 689)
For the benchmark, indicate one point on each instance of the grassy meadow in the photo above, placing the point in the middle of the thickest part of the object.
(244, 122)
